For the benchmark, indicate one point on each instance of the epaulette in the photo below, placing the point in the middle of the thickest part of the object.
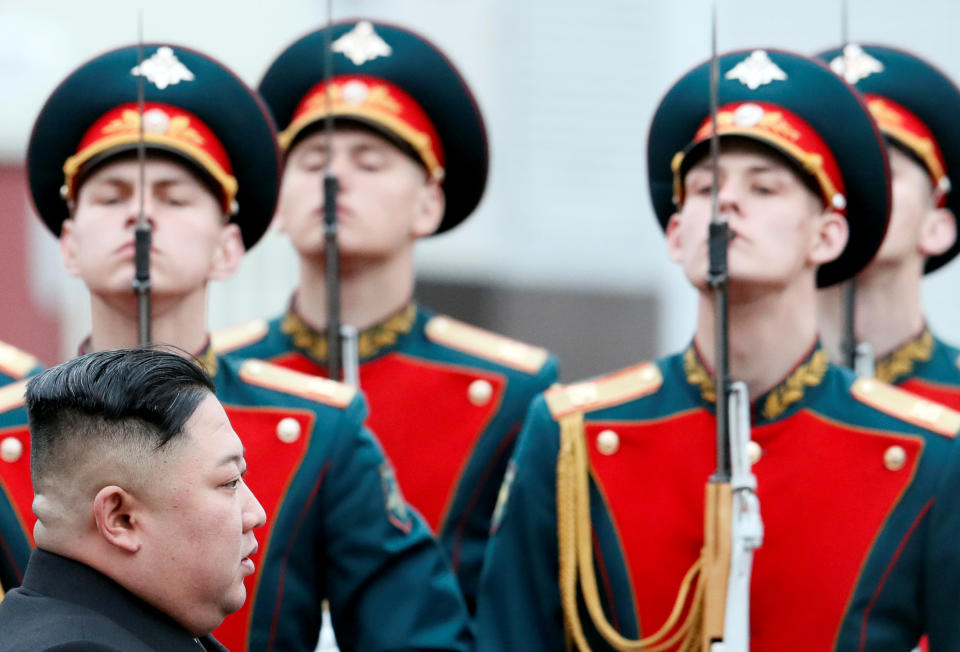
(14, 362)
(619, 387)
(906, 406)
(12, 396)
(485, 344)
(288, 381)
(237, 336)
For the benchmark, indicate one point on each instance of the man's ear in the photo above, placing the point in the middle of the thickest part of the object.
(68, 248)
(938, 232)
(117, 516)
(674, 240)
(228, 254)
(829, 238)
(431, 204)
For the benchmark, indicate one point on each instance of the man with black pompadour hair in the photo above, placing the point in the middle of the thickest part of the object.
(144, 525)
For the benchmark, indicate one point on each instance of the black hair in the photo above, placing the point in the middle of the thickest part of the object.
(141, 396)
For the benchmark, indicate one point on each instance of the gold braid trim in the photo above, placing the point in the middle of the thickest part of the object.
(576, 554)
(369, 342)
(809, 374)
(902, 360)
(698, 375)
(779, 399)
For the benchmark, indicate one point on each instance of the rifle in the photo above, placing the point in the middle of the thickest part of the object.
(856, 355)
(142, 232)
(732, 525)
(341, 340)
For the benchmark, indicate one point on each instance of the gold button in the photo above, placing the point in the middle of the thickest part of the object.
(754, 452)
(895, 458)
(608, 442)
(11, 449)
(480, 392)
(288, 430)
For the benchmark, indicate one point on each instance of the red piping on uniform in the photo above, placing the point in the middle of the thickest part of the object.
(507, 441)
(606, 580)
(286, 553)
(886, 573)
(13, 562)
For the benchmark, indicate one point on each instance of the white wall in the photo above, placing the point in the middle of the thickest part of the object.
(568, 89)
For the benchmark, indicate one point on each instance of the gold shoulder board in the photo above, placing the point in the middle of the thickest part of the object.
(484, 344)
(12, 395)
(281, 379)
(906, 406)
(618, 387)
(234, 337)
(14, 362)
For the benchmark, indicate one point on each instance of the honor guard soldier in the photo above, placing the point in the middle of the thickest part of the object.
(337, 527)
(915, 106)
(599, 537)
(408, 147)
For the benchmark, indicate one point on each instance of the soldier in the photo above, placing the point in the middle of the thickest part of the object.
(337, 527)
(409, 150)
(914, 105)
(857, 481)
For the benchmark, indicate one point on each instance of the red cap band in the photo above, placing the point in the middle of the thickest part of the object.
(164, 125)
(783, 130)
(373, 101)
(900, 124)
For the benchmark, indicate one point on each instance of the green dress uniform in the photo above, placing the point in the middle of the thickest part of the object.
(447, 402)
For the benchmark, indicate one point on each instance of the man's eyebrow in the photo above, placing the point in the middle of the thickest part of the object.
(235, 458)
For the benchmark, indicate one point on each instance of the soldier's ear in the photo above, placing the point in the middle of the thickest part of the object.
(68, 248)
(674, 240)
(431, 204)
(117, 517)
(938, 232)
(228, 253)
(828, 237)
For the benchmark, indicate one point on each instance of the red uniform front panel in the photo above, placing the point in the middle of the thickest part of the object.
(824, 492)
(427, 424)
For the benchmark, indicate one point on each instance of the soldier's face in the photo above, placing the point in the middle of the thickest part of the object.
(915, 220)
(385, 202)
(781, 233)
(197, 537)
(190, 245)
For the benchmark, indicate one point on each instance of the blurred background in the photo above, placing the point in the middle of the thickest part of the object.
(564, 251)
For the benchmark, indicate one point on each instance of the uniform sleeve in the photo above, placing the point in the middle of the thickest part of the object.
(519, 601)
(469, 543)
(389, 585)
(943, 561)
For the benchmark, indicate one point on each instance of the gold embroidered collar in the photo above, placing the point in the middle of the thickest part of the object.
(207, 358)
(369, 342)
(902, 360)
(789, 391)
